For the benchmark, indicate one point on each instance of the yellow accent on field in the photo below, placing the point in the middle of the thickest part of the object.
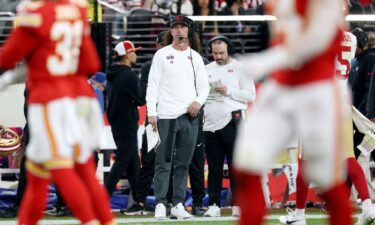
(91, 12)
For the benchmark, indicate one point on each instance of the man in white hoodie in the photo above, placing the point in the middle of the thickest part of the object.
(177, 89)
(230, 92)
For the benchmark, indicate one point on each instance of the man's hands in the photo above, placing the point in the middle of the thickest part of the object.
(193, 109)
(153, 120)
(222, 89)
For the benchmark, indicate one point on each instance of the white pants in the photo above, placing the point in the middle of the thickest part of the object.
(314, 112)
(64, 131)
(91, 126)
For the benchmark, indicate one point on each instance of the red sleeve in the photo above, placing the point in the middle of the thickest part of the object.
(18, 46)
(89, 62)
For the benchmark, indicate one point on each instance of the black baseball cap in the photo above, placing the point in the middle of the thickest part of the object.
(180, 19)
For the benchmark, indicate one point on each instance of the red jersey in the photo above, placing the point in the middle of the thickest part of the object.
(292, 30)
(344, 58)
(54, 39)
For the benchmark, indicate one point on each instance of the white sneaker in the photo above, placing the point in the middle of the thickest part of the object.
(292, 218)
(236, 211)
(180, 212)
(367, 217)
(160, 212)
(213, 211)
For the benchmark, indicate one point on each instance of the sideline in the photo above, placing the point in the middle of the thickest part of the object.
(148, 220)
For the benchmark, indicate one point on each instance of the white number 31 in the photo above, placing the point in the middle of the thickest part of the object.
(69, 37)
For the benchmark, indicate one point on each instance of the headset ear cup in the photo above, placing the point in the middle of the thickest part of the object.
(362, 42)
(362, 38)
(191, 31)
(231, 50)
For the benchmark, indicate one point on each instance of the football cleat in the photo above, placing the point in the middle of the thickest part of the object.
(367, 217)
(179, 212)
(292, 218)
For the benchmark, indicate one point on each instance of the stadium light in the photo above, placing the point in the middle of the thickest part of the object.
(370, 17)
(7, 14)
(350, 18)
(233, 18)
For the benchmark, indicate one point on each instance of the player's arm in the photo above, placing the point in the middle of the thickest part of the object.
(133, 91)
(142, 84)
(89, 62)
(152, 91)
(10, 76)
(323, 19)
(203, 87)
(19, 45)
(245, 92)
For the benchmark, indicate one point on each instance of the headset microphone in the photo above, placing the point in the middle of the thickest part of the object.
(181, 38)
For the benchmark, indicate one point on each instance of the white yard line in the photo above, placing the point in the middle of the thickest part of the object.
(148, 220)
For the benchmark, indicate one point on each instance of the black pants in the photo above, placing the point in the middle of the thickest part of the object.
(219, 145)
(127, 160)
(196, 168)
(146, 174)
(357, 139)
(22, 176)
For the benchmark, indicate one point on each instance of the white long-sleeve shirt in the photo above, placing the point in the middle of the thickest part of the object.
(241, 90)
(171, 87)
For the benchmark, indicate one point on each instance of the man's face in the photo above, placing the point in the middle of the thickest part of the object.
(220, 52)
(203, 3)
(132, 57)
(180, 30)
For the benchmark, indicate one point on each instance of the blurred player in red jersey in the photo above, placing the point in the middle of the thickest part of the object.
(355, 172)
(54, 39)
(302, 98)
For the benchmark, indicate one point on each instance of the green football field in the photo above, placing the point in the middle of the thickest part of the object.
(312, 219)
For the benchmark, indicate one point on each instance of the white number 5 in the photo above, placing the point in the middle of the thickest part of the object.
(69, 37)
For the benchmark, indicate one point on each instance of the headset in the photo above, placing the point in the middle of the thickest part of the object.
(362, 38)
(230, 47)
